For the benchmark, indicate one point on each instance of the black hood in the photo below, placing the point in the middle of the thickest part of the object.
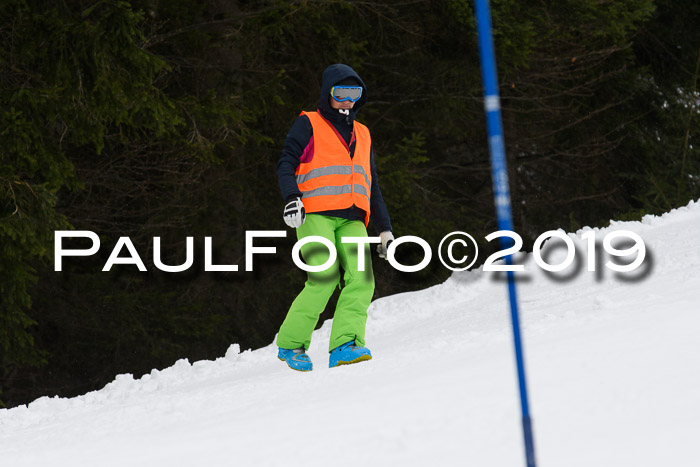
(332, 76)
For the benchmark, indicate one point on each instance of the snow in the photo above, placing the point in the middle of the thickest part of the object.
(611, 358)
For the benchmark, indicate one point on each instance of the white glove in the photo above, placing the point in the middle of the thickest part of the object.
(294, 213)
(387, 237)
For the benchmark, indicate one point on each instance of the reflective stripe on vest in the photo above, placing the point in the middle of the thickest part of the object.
(333, 170)
(330, 179)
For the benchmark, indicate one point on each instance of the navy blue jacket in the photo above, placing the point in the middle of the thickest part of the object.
(300, 134)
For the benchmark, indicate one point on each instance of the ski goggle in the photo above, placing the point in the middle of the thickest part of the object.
(346, 93)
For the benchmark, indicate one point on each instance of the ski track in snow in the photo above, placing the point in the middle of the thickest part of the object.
(612, 364)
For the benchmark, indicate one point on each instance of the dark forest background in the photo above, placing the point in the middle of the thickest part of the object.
(166, 118)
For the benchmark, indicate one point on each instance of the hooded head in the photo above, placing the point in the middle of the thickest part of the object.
(339, 74)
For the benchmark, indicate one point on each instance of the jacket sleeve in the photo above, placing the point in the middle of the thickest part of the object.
(379, 215)
(294, 144)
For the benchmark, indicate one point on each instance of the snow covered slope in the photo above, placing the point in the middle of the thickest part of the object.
(613, 364)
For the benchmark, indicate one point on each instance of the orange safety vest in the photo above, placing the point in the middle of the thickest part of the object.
(329, 178)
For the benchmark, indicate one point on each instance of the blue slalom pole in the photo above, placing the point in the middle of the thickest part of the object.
(499, 173)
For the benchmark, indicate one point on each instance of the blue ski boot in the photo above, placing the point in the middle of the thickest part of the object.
(348, 353)
(297, 359)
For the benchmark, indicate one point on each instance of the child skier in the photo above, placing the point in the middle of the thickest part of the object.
(329, 182)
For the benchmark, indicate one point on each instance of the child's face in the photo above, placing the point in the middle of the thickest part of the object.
(341, 105)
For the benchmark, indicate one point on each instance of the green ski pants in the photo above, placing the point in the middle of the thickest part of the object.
(351, 311)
